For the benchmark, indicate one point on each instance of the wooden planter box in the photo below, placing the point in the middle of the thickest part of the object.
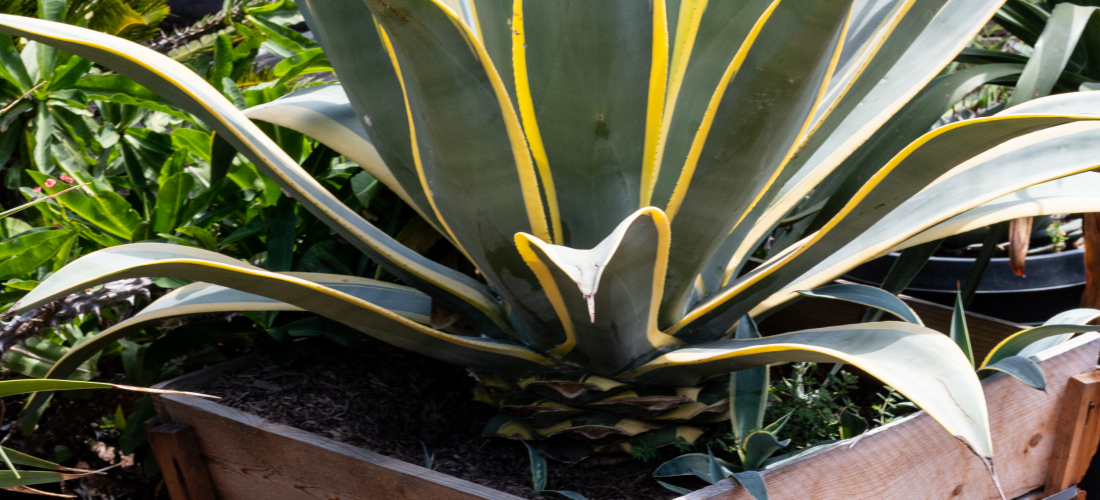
(208, 451)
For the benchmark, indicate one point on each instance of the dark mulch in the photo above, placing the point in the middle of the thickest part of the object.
(397, 403)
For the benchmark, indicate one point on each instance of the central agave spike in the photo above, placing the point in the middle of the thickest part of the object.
(606, 297)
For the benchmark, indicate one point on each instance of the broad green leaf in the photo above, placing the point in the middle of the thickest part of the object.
(366, 187)
(201, 298)
(136, 172)
(193, 141)
(683, 465)
(922, 364)
(11, 67)
(1022, 19)
(1081, 316)
(325, 113)
(359, 55)
(222, 64)
(748, 389)
(753, 483)
(493, 21)
(538, 469)
(44, 128)
(913, 50)
(18, 284)
(894, 205)
(868, 296)
(204, 236)
(171, 200)
(106, 209)
(50, 10)
(31, 251)
(778, 425)
(180, 85)
(971, 55)
(851, 424)
(715, 471)
(233, 92)
(675, 489)
(1052, 51)
(706, 39)
(9, 479)
(594, 148)
(283, 36)
(121, 90)
(157, 259)
(291, 63)
(479, 176)
(26, 386)
(959, 333)
(316, 63)
(606, 297)
(757, 447)
(739, 150)
(1074, 194)
(21, 458)
(908, 124)
(252, 228)
(1021, 368)
(1058, 329)
(281, 240)
(68, 74)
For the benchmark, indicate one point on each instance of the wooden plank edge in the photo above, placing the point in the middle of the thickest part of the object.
(1076, 436)
(719, 489)
(394, 465)
(176, 450)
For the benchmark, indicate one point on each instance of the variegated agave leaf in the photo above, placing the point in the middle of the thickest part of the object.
(608, 168)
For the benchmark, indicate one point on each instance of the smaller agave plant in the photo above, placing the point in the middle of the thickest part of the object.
(609, 168)
(755, 444)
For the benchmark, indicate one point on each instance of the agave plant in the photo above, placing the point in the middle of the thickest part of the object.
(609, 168)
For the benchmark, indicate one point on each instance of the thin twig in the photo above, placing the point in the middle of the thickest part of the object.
(24, 96)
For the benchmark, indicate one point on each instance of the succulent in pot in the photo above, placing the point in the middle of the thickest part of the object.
(608, 168)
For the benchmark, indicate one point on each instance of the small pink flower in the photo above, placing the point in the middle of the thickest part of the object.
(50, 183)
(66, 179)
(37, 189)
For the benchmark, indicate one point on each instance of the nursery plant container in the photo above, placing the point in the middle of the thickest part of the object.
(210, 451)
(1052, 283)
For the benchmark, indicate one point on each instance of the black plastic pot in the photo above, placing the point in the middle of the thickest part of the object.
(1053, 283)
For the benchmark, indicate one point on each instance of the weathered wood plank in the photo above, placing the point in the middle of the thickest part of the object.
(809, 312)
(181, 463)
(1077, 435)
(915, 458)
(250, 458)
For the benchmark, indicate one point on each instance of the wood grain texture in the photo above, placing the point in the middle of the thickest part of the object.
(808, 312)
(1077, 434)
(181, 463)
(914, 458)
(249, 458)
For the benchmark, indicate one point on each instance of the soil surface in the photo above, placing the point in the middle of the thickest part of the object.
(399, 403)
